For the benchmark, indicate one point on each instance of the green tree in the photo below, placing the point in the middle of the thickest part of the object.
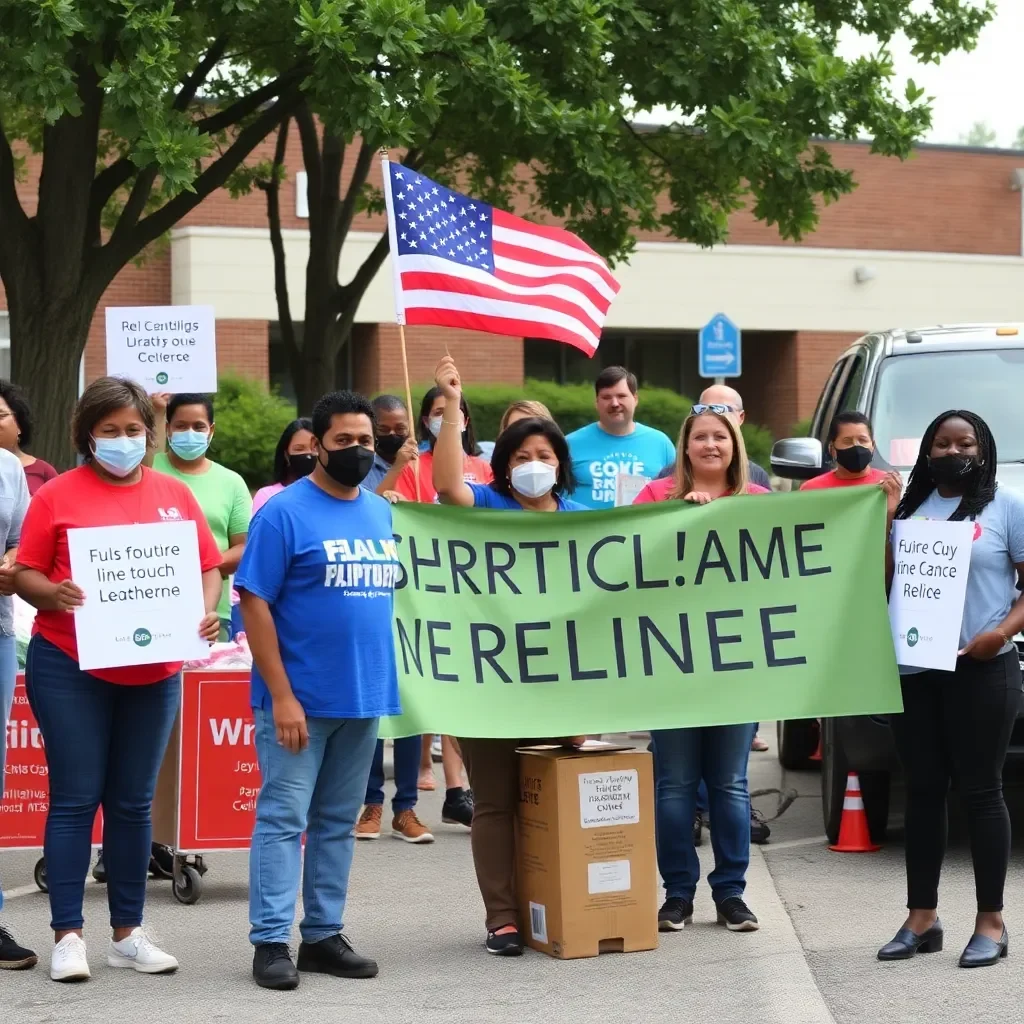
(980, 134)
(475, 90)
(1018, 141)
(141, 108)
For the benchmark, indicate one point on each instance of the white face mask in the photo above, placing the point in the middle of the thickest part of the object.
(534, 479)
(434, 424)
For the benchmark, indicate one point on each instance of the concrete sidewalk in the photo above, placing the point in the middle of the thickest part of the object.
(417, 911)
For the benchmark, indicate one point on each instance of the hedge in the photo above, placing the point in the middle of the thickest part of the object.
(249, 423)
(250, 418)
(572, 405)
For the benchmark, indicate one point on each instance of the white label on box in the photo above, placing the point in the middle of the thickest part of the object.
(539, 923)
(608, 799)
(608, 876)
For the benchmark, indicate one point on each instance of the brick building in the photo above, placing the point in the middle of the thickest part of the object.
(935, 239)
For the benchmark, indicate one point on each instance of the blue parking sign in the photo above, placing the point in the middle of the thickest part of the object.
(720, 348)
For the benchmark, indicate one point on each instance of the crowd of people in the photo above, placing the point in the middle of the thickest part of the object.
(316, 546)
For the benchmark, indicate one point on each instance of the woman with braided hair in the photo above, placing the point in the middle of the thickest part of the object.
(956, 726)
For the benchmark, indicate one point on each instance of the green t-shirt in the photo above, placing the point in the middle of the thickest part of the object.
(225, 501)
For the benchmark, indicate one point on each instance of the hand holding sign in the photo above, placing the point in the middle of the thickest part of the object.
(68, 596)
(985, 646)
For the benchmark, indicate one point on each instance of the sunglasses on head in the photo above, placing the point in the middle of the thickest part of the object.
(700, 408)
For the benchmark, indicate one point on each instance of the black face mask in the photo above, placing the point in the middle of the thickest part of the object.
(854, 459)
(953, 470)
(348, 466)
(301, 465)
(388, 445)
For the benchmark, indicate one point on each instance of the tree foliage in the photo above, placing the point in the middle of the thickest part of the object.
(140, 108)
(980, 134)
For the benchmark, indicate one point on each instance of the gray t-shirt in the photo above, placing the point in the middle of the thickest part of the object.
(13, 503)
(998, 547)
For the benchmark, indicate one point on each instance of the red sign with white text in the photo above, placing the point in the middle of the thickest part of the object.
(26, 798)
(219, 775)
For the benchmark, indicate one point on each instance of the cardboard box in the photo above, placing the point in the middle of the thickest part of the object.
(587, 873)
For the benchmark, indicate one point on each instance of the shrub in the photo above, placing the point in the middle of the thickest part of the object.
(572, 405)
(249, 423)
(802, 428)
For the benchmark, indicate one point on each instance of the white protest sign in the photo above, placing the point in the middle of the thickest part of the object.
(627, 487)
(163, 348)
(931, 561)
(143, 594)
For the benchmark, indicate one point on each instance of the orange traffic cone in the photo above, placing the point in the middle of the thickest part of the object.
(854, 836)
(816, 756)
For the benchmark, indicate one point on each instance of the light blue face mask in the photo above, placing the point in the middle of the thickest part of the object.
(120, 456)
(189, 444)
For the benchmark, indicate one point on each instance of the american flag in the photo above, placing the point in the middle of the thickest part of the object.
(458, 262)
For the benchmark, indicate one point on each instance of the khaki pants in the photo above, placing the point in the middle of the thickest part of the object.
(493, 770)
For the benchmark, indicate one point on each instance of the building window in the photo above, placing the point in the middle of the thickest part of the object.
(665, 359)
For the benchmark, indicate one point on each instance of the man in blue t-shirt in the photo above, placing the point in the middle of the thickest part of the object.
(616, 444)
(317, 583)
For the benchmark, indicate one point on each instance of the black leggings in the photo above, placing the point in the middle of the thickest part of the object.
(956, 727)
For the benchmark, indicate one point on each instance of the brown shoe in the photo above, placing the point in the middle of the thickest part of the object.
(368, 826)
(408, 827)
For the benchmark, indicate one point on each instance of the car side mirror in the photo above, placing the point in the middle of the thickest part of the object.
(797, 458)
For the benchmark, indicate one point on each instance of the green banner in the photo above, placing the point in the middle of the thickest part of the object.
(515, 624)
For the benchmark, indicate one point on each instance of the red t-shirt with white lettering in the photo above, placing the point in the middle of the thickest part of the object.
(82, 498)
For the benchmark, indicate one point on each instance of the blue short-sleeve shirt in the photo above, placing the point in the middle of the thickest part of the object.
(327, 568)
(485, 496)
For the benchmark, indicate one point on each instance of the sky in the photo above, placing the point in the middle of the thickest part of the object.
(983, 85)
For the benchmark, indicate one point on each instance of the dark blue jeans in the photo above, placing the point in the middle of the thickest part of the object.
(407, 773)
(104, 744)
(682, 758)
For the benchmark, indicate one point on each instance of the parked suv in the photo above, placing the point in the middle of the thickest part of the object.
(902, 379)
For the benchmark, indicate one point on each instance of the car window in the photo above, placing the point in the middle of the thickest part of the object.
(851, 384)
(913, 389)
(823, 414)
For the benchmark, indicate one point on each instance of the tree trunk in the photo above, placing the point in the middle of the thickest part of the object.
(47, 342)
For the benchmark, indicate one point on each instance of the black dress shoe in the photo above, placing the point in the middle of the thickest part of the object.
(982, 951)
(905, 943)
(272, 967)
(335, 956)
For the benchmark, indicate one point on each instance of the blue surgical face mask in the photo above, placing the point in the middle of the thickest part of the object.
(120, 456)
(189, 444)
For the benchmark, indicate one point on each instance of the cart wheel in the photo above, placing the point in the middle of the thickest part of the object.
(40, 875)
(188, 885)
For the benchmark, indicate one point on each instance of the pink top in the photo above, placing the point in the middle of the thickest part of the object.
(263, 495)
(658, 490)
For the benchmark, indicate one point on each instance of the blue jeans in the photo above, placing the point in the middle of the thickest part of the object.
(702, 792)
(104, 745)
(237, 626)
(407, 774)
(318, 791)
(8, 676)
(682, 758)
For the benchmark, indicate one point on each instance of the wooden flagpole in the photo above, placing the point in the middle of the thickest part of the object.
(399, 315)
(408, 402)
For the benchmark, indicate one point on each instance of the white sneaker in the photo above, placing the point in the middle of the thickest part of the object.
(67, 961)
(139, 953)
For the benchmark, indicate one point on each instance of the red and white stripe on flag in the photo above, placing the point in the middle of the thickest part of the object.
(462, 263)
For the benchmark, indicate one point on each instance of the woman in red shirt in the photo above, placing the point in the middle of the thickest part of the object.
(105, 730)
(474, 469)
(711, 463)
